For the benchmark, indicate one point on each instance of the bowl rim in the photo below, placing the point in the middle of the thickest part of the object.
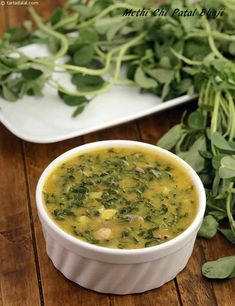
(110, 254)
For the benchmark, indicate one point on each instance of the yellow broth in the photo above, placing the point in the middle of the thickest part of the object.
(123, 198)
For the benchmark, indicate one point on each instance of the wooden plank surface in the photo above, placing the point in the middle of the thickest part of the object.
(18, 272)
(27, 276)
(54, 290)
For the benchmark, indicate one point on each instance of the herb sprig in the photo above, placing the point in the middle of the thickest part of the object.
(164, 56)
(91, 53)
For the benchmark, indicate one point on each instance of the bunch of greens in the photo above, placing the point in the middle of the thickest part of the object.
(96, 39)
(167, 56)
(93, 38)
(220, 269)
(207, 139)
(207, 142)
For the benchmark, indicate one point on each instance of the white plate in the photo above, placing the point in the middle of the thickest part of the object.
(48, 119)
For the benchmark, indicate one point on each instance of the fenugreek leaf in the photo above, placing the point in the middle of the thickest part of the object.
(208, 228)
(219, 269)
(72, 100)
(142, 80)
(168, 140)
(87, 82)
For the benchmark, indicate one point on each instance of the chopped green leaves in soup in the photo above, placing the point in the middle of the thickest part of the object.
(122, 197)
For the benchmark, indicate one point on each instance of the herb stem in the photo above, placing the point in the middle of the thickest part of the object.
(123, 50)
(215, 34)
(207, 90)
(229, 209)
(65, 21)
(203, 93)
(185, 59)
(100, 53)
(229, 4)
(105, 12)
(232, 115)
(63, 40)
(125, 82)
(214, 118)
(214, 207)
(80, 93)
(211, 41)
(80, 69)
(127, 57)
(112, 42)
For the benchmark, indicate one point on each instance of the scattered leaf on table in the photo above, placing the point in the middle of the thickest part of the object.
(219, 269)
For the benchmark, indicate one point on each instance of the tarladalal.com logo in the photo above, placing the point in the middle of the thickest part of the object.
(18, 2)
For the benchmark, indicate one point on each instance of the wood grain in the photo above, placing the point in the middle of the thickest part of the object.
(194, 289)
(151, 128)
(18, 272)
(3, 24)
(17, 14)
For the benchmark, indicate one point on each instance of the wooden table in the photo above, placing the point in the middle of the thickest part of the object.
(27, 275)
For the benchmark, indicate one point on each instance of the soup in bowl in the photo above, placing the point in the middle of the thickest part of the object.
(120, 208)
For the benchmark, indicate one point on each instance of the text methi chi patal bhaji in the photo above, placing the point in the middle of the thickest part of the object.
(161, 12)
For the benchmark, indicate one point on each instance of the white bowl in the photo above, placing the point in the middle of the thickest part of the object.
(118, 271)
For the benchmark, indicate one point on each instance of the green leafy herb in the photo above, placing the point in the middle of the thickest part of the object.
(165, 56)
(142, 80)
(72, 100)
(60, 214)
(31, 74)
(83, 55)
(220, 269)
(227, 168)
(169, 140)
(228, 234)
(196, 120)
(8, 94)
(78, 110)
(57, 15)
(89, 36)
(87, 83)
(209, 227)
(193, 156)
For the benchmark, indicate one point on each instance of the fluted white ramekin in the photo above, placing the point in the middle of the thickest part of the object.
(113, 270)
